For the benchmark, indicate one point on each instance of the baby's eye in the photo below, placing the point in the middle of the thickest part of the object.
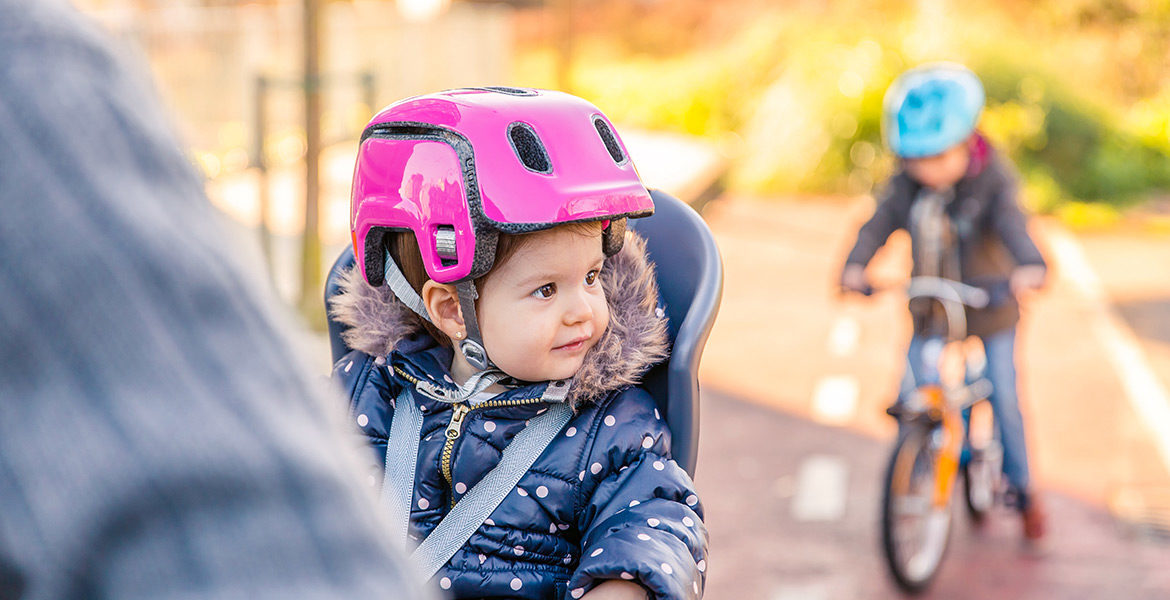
(591, 277)
(545, 291)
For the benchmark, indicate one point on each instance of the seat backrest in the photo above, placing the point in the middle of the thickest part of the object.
(690, 282)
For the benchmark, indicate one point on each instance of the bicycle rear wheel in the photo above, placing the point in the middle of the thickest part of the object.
(915, 533)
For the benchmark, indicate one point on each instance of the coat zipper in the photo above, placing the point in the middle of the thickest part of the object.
(459, 414)
(455, 429)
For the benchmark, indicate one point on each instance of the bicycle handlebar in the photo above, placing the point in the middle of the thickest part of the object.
(952, 295)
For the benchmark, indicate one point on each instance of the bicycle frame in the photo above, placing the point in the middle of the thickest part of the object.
(942, 404)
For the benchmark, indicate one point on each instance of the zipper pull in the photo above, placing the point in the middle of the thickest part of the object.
(458, 411)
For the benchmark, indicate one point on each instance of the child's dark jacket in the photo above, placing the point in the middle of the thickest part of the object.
(604, 501)
(989, 232)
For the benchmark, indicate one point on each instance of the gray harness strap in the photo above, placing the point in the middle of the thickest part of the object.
(398, 478)
(477, 505)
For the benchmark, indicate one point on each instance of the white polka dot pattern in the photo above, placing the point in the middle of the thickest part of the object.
(522, 491)
(658, 466)
(666, 569)
(595, 468)
(445, 583)
(692, 500)
(570, 432)
(577, 593)
(516, 584)
(482, 558)
(647, 442)
(702, 566)
(653, 522)
(489, 426)
(518, 550)
(541, 492)
(634, 503)
(423, 503)
(689, 522)
(610, 421)
(363, 420)
(626, 575)
(461, 487)
(643, 537)
(597, 552)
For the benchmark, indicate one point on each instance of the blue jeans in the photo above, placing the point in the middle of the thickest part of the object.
(999, 348)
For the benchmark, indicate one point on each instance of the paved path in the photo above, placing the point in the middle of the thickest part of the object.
(816, 422)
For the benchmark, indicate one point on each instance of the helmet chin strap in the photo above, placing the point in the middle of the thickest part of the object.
(472, 348)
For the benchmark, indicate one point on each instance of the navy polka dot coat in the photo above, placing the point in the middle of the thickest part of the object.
(604, 501)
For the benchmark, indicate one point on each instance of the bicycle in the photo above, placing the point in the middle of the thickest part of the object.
(928, 455)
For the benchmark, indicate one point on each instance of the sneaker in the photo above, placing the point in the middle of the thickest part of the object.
(1035, 519)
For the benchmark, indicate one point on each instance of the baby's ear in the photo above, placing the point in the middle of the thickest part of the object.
(442, 303)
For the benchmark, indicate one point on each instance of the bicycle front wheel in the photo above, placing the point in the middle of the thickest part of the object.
(915, 532)
(983, 473)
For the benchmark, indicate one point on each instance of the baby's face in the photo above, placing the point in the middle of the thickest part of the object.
(544, 308)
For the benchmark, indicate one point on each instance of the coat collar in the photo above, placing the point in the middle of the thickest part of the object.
(636, 339)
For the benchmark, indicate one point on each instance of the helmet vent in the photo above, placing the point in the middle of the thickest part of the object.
(528, 148)
(511, 91)
(609, 139)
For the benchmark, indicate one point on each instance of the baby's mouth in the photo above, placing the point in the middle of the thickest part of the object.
(574, 345)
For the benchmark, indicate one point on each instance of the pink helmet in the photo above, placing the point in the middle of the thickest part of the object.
(459, 167)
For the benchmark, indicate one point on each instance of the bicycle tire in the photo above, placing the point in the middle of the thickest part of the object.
(912, 456)
(982, 476)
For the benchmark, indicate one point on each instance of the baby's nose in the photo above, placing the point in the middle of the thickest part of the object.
(578, 309)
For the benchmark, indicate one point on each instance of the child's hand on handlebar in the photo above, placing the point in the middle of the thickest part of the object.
(1027, 278)
(853, 279)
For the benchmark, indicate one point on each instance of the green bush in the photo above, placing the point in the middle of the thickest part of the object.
(802, 94)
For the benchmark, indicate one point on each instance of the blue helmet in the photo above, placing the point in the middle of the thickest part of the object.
(931, 108)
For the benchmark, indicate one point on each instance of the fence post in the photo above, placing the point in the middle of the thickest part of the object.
(311, 279)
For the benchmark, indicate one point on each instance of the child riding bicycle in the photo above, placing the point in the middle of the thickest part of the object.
(957, 198)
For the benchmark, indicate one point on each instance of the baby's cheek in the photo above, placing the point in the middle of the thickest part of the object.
(601, 317)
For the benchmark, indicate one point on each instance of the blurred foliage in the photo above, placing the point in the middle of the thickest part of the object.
(1077, 92)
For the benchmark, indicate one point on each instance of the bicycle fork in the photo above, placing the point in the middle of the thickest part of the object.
(951, 448)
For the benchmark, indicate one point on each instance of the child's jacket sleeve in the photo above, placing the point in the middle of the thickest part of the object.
(640, 518)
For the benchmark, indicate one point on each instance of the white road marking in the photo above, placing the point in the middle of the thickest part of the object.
(843, 336)
(1145, 392)
(822, 484)
(835, 399)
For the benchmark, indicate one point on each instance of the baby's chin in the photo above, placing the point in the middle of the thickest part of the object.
(553, 370)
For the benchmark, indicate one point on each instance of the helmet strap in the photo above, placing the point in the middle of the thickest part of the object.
(472, 347)
(402, 288)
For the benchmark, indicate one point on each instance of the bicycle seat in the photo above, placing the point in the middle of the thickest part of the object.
(690, 285)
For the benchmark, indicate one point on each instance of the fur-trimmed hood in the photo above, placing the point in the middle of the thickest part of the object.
(635, 340)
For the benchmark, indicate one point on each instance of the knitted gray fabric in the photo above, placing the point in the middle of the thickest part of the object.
(159, 436)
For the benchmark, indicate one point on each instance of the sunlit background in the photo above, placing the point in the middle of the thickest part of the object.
(766, 112)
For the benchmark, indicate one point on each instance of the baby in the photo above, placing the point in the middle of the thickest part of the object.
(497, 299)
